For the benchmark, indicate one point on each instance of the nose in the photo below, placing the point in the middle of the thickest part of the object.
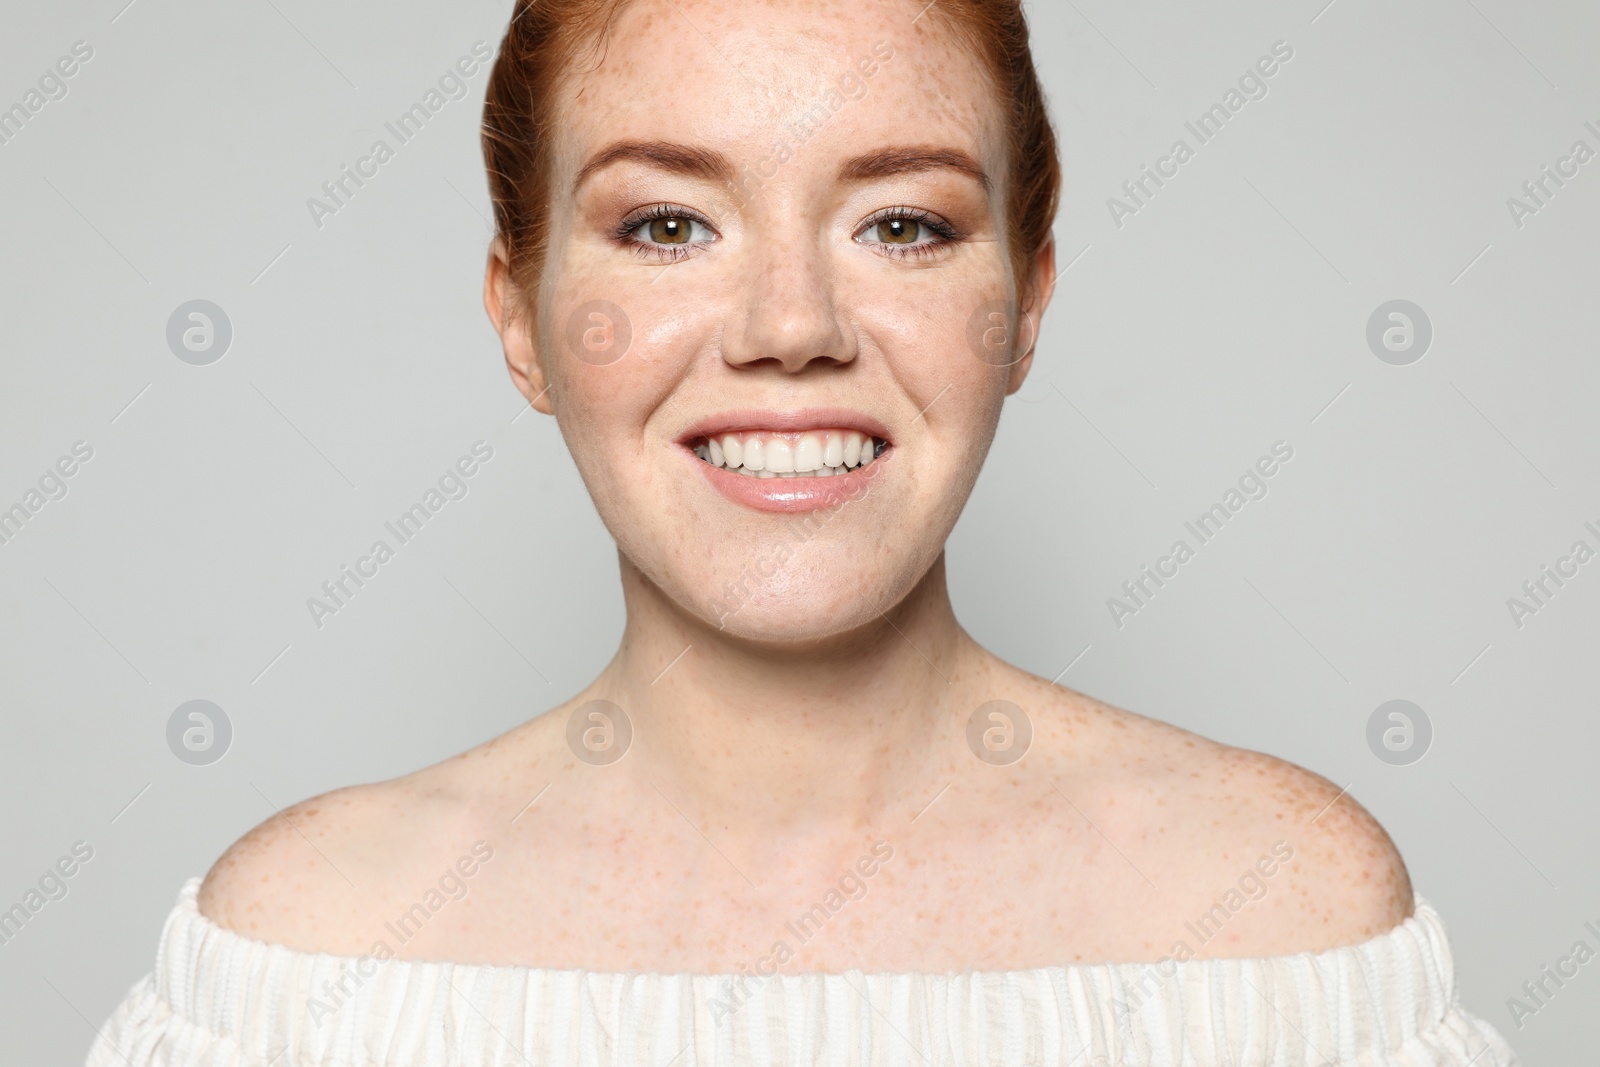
(789, 313)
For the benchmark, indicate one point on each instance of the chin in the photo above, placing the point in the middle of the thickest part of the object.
(817, 594)
(797, 621)
(745, 564)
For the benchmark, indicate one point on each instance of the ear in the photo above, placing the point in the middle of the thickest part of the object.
(501, 300)
(1042, 289)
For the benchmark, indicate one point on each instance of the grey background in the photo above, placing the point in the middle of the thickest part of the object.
(1229, 313)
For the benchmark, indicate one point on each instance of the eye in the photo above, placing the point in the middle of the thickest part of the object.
(665, 231)
(672, 230)
(903, 231)
(899, 231)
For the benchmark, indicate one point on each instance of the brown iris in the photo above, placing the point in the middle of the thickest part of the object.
(899, 231)
(670, 231)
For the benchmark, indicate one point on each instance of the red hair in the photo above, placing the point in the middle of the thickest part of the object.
(546, 38)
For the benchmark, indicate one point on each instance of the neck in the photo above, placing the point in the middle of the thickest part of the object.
(783, 741)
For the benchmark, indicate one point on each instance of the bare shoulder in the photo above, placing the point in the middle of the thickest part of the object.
(1255, 854)
(324, 874)
(312, 875)
(1339, 879)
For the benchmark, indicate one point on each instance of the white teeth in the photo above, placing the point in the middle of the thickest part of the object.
(808, 453)
(852, 448)
(816, 453)
(780, 457)
(833, 451)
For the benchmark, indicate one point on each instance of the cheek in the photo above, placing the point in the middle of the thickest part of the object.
(928, 332)
(617, 411)
(605, 309)
(617, 344)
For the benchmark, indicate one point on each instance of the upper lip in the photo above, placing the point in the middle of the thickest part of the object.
(793, 420)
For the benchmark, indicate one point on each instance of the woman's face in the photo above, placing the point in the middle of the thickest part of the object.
(777, 227)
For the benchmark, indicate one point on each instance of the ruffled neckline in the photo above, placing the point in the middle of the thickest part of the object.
(1392, 998)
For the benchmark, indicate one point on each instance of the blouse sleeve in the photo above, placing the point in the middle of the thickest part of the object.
(144, 1031)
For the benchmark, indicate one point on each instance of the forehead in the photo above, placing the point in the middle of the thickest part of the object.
(743, 76)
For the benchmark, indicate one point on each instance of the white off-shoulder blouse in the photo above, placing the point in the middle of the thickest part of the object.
(222, 1000)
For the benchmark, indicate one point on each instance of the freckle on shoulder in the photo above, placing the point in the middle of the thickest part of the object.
(300, 875)
(1346, 870)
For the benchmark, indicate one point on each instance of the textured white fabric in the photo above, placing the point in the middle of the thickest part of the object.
(217, 999)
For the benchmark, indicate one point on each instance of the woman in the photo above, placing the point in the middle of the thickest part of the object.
(774, 267)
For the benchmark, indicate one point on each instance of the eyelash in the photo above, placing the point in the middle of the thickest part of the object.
(947, 234)
(626, 229)
(645, 250)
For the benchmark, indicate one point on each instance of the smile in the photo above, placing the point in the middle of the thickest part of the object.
(789, 461)
(825, 453)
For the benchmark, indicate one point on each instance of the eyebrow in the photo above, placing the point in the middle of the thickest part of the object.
(710, 165)
(678, 158)
(888, 162)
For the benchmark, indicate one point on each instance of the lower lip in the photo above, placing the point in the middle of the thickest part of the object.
(802, 493)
